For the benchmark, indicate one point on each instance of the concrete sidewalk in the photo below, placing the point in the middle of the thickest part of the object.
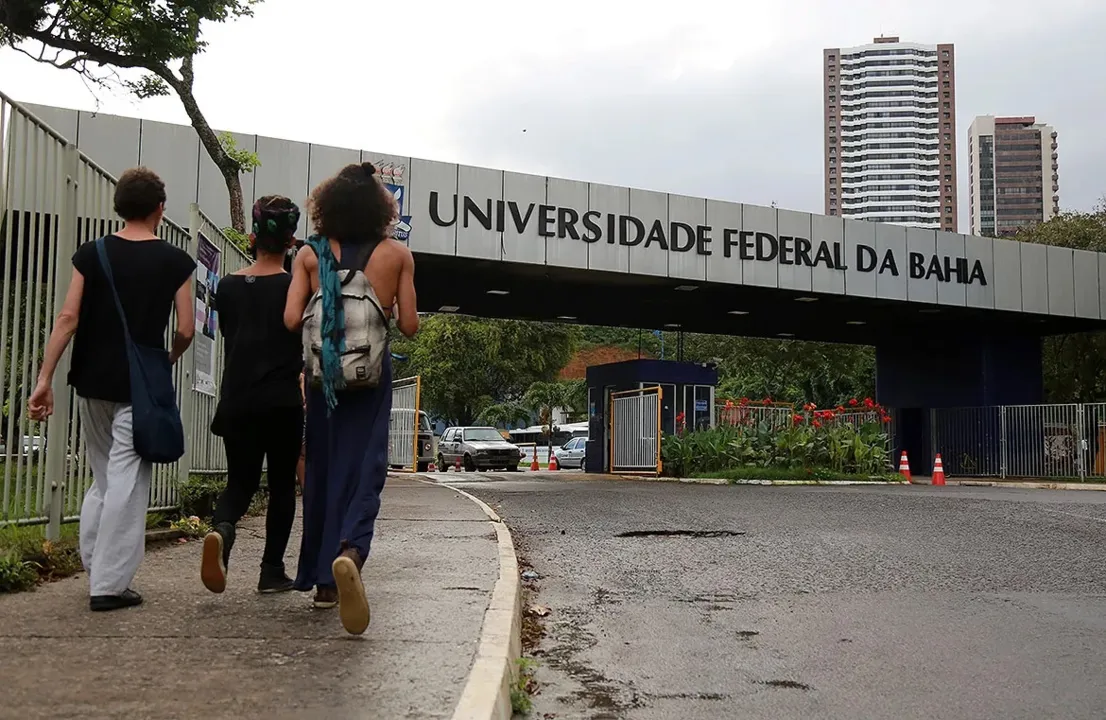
(187, 653)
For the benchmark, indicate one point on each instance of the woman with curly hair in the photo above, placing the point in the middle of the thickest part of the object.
(260, 412)
(347, 427)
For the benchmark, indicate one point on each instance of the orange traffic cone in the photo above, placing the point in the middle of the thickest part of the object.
(553, 462)
(904, 467)
(534, 467)
(938, 471)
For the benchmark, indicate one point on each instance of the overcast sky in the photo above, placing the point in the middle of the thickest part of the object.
(717, 99)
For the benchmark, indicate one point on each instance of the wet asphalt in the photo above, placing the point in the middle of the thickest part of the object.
(670, 600)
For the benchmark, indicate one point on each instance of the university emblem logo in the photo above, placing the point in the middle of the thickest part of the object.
(392, 175)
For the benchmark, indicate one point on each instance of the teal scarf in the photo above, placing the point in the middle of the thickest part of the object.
(333, 321)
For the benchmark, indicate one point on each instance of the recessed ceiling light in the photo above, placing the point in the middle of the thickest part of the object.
(449, 308)
(856, 322)
(806, 299)
(672, 325)
(498, 292)
(566, 317)
(687, 288)
(738, 312)
(785, 335)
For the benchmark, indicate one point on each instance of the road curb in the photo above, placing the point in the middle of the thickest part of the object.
(1101, 487)
(723, 481)
(487, 693)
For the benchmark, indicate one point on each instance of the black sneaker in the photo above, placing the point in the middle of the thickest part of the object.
(273, 579)
(216, 556)
(104, 603)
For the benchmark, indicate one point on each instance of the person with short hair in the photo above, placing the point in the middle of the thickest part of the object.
(152, 277)
(347, 428)
(260, 411)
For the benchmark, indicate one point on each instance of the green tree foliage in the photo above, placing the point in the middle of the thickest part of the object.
(542, 398)
(785, 370)
(159, 38)
(467, 364)
(503, 414)
(1074, 365)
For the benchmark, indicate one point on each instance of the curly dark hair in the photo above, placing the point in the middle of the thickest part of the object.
(275, 219)
(353, 206)
(138, 193)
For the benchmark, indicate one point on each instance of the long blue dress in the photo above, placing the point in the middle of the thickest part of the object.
(346, 467)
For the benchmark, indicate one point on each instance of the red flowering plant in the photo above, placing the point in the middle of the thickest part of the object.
(849, 438)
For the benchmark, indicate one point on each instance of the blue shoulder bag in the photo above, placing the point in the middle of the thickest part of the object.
(157, 427)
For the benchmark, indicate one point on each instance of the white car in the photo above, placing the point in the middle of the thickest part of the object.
(571, 454)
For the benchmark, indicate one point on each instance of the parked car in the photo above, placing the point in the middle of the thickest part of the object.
(571, 454)
(477, 448)
(425, 435)
(31, 447)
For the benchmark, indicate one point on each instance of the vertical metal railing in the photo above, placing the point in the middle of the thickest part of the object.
(1093, 440)
(742, 414)
(403, 425)
(1043, 441)
(52, 199)
(969, 440)
(636, 431)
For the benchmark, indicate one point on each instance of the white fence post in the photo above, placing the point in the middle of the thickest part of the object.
(57, 429)
(187, 401)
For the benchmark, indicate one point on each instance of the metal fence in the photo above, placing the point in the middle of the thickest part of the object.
(403, 425)
(52, 199)
(636, 431)
(1059, 442)
(775, 415)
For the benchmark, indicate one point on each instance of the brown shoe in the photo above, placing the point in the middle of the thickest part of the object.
(325, 598)
(353, 605)
(213, 571)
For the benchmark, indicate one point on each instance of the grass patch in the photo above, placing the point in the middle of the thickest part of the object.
(523, 687)
(800, 474)
(27, 557)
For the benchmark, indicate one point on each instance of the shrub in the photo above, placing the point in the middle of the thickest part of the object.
(851, 442)
(16, 574)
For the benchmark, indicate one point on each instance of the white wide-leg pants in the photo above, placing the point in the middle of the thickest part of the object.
(113, 516)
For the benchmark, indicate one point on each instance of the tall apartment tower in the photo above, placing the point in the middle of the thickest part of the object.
(890, 133)
(1014, 174)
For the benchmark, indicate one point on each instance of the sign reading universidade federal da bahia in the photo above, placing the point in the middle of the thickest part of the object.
(594, 226)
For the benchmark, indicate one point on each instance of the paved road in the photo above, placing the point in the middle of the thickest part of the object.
(825, 602)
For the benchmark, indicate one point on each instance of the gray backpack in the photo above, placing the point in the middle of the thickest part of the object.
(366, 331)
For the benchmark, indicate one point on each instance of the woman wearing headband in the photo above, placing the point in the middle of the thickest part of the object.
(260, 413)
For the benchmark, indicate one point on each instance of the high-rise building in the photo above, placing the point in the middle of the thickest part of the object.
(890, 133)
(1013, 174)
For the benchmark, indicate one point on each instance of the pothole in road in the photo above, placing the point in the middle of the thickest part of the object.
(789, 684)
(680, 533)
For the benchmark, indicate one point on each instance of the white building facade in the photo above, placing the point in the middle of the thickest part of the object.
(890, 133)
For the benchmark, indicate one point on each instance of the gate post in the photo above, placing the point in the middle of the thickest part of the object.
(1081, 446)
(57, 428)
(1002, 442)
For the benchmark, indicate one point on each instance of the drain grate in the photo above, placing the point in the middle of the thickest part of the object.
(679, 533)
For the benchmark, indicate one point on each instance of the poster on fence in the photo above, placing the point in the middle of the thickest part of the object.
(207, 283)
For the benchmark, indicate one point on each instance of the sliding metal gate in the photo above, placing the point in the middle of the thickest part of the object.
(403, 427)
(636, 431)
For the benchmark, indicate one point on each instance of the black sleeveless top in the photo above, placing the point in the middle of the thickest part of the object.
(263, 360)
